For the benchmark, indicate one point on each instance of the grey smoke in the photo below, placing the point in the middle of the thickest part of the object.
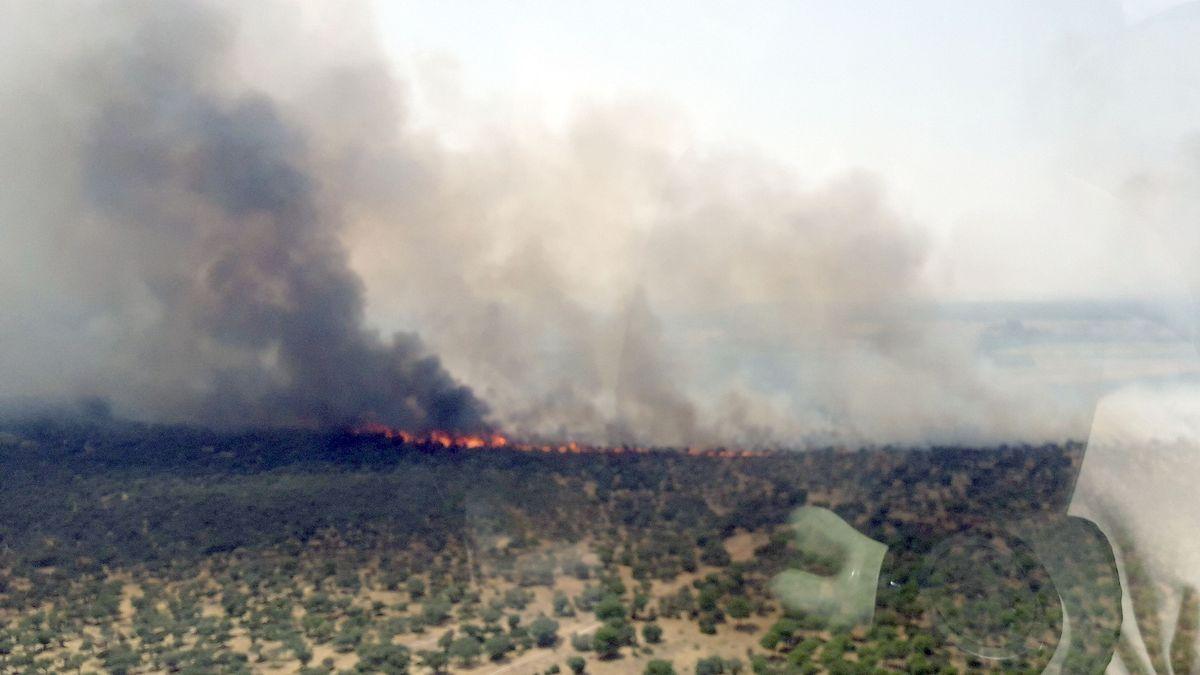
(212, 203)
(208, 224)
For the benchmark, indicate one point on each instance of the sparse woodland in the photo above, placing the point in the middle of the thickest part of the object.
(128, 548)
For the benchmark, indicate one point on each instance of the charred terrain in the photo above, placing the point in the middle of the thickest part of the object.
(137, 548)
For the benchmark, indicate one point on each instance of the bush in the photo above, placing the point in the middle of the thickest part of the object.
(713, 665)
(652, 632)
(562, 605)
(581, 643)
(576, 664)
(659, 667)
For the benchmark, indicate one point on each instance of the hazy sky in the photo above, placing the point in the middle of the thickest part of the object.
(1010, 131)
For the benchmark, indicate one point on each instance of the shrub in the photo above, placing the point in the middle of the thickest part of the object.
(659, 667)
(581, 643)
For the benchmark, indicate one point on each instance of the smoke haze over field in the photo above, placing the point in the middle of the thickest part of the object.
(210, 209)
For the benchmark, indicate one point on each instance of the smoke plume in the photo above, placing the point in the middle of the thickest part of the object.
(211, 206)
(200, 230)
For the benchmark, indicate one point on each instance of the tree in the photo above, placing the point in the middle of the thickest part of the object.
(300, 650)
(713, 665)
(544, 631)
(562, 605)
(517, 598)
(659, 667)
(576, 664)
(382, 658)
(714, 554)
(465, 649)
(348, 638)
(652, 632)
(738, 607)
(434, 660)
(497, 646)
(610, 608)
(607, 641)
(120, 659)
(640, 600)
(436, 611)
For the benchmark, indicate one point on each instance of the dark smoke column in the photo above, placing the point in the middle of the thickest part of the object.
(227, 235)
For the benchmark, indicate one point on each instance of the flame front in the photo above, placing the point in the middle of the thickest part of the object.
(446, 439)
(496, 440)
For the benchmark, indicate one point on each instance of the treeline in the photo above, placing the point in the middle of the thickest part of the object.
(109, 492)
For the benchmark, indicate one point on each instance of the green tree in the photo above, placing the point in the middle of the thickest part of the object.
(544, 631)
(607, 641)
(610, 608)
(120, 659)
(652, 632)
(738, 607)
(434, 660)
(382, 658)
(562, 605)
(435, 612)
(576, 664)
(491, 615)
(466, 650)
(714, 554)
(497, 646)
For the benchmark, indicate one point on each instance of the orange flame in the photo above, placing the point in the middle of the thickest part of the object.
(496, 440)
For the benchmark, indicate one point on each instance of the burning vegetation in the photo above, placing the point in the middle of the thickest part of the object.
(498, 441)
